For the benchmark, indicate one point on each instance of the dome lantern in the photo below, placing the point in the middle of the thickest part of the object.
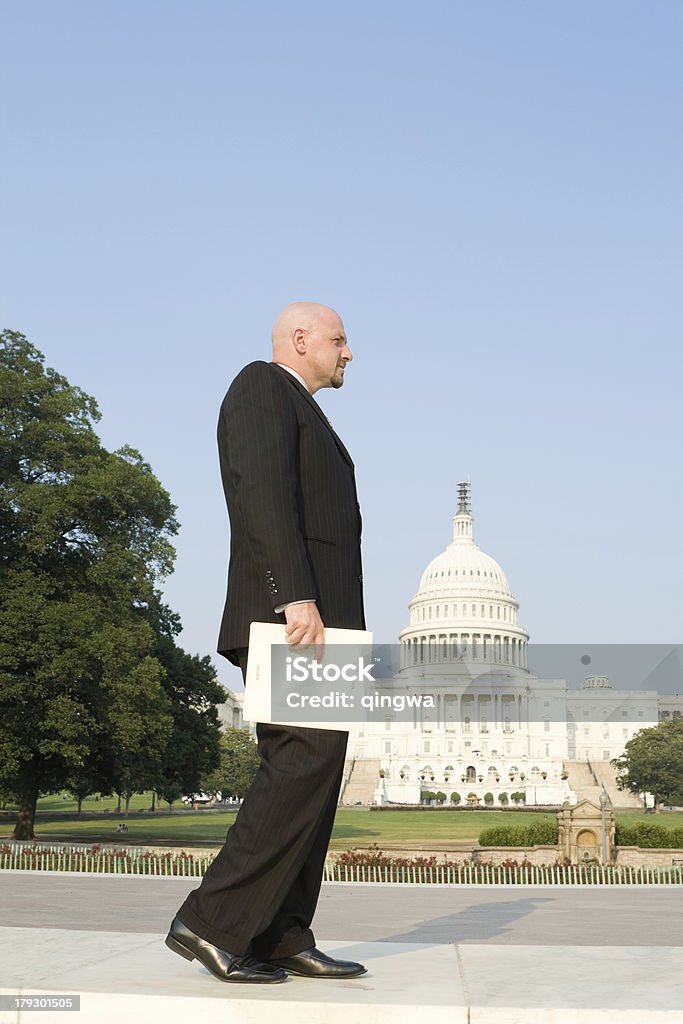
(463, 518)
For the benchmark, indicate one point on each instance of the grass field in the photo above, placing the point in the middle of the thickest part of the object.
(352, 827)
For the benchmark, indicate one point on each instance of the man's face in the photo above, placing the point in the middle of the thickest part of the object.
(328, 352)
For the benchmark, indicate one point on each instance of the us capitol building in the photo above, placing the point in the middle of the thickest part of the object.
(495, 729)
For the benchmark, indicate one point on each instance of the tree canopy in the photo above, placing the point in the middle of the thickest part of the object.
(91, 682)
(652, 762)
(239, 760)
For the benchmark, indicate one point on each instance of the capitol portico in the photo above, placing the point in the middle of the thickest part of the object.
(495, 732)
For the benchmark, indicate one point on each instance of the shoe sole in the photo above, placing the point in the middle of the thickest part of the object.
(339, 977)
(187, 954)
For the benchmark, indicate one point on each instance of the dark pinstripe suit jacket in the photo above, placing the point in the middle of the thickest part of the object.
(294, 516)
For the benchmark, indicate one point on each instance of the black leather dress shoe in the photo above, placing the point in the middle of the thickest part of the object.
(223, 965)
(312, 963)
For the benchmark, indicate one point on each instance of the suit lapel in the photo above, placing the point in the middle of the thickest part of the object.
(305, 393)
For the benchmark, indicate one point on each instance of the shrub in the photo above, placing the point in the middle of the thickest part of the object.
(455, 798)
(488, 798)
(519, 797)
(426, 795)
(539, 833)
(503, 797)
(648, 835)
(440, 796)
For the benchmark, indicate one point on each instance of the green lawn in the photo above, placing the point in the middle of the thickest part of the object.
(351, 828)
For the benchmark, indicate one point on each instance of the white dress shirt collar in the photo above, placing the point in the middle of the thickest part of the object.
(294, 374)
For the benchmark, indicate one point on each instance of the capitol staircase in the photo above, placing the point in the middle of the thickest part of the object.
(362, 780)
(621, 799)
(587, 779)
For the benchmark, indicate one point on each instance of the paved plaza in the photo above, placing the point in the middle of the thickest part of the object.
(448, 954)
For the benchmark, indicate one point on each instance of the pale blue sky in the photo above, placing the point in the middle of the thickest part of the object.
(490, 195)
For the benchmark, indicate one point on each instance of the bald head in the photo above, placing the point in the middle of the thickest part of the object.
(304, 315)
(310, 338)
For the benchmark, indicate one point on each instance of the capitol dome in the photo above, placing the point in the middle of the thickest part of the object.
(464, 566)
(464, 606)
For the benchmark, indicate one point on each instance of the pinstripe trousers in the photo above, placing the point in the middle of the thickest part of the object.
(259, 895)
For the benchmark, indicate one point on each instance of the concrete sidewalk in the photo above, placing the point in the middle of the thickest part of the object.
(133, 977)
(488, 955)
(424, 914)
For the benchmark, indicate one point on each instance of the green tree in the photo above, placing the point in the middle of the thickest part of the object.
(170, 793)
(193, 750)
(88, 780)
(239, 761)
(84, 534)
(652, 762)
(455, 798)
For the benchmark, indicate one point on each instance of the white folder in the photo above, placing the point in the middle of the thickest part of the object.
(257, 698)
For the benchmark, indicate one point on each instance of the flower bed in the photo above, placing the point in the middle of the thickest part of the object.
(358, 866)
(373, 865)
(128, 861)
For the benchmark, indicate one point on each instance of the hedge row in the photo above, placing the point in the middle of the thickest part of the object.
(545, 833)
(539, 833)
(647, 835)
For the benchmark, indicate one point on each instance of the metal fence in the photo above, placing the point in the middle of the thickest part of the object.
(133, 861)
(494, 874)
(130, 861)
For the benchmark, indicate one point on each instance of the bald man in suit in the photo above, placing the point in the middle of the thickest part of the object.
(294, 558)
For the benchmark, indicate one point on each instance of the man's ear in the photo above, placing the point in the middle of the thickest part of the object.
(299, 340)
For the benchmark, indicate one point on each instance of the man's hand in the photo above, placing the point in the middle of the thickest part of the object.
(305, 627)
